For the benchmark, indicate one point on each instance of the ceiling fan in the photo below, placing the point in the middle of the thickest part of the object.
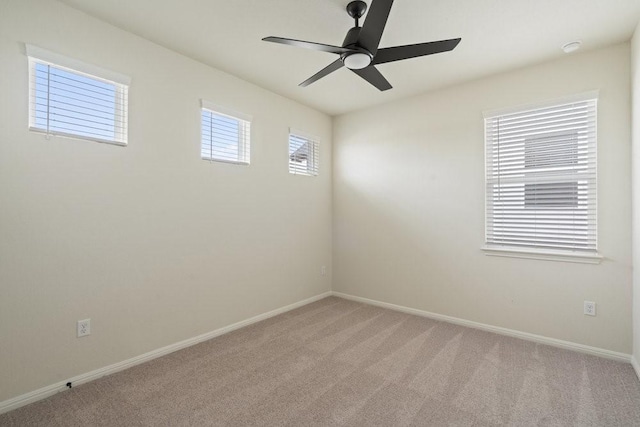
(359, 51)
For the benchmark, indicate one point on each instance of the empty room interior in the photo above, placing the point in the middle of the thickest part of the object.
(319, 212)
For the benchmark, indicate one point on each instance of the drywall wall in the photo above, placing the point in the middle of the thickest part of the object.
(152, 243)
(635, 167)
(409, 207)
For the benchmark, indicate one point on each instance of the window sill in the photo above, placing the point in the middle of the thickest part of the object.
(303, 174)
(231, 162)
(74, 136)
(547, 255)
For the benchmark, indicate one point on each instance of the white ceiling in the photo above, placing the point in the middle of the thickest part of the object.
(497, 35)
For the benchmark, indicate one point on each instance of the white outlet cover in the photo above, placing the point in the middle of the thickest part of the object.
(84, 327)
(590, 308)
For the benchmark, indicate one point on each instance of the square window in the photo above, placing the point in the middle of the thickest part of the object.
(304, 154)
(225, 137)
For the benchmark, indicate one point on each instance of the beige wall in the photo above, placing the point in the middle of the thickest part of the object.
(409, 207)
(150, 242)
(635, 165)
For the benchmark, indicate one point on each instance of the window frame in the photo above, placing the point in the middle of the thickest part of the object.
(532, 252)
(312, 169)
(244, 134)
(120, 82)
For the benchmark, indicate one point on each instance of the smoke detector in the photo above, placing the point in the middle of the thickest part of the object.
(571, 46)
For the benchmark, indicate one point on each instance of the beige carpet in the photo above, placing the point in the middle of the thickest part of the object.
(338, 362)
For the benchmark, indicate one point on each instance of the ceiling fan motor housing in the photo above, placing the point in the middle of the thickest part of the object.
(351, 39)
(355, 60)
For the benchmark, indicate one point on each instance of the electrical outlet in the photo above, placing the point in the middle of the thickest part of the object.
(590, 308)
(84, 327)
(323, 270)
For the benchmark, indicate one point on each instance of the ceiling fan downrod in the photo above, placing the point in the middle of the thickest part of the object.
(356, 9)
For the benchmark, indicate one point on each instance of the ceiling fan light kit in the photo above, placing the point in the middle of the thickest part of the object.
(356, 61)
(359, 51)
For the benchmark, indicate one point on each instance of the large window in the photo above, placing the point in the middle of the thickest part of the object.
(73, 99)
(304, 154)
(225, 135)
(541, 195)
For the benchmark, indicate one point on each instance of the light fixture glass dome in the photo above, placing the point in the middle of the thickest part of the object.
(357, 61)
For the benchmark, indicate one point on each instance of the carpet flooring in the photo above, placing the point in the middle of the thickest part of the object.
(341, 363)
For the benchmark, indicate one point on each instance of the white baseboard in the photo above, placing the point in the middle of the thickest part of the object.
(636, 366)
(52, 389)
(622, 357)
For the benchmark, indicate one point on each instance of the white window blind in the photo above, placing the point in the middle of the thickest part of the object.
(541, 178)
(69, 102)
(304, 154)
(225, 136)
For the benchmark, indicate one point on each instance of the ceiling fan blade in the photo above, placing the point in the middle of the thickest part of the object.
(374, 23)
(335, 65)
(373, 76)
(397, 53)
(308, 45)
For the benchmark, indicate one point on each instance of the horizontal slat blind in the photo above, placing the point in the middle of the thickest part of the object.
(225, 138)
(304, 155)
(541, 178)
(71, 103)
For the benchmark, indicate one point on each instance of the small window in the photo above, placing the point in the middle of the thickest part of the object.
(541, 193)
(225, 135)
(71, 102)
(304, 154)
